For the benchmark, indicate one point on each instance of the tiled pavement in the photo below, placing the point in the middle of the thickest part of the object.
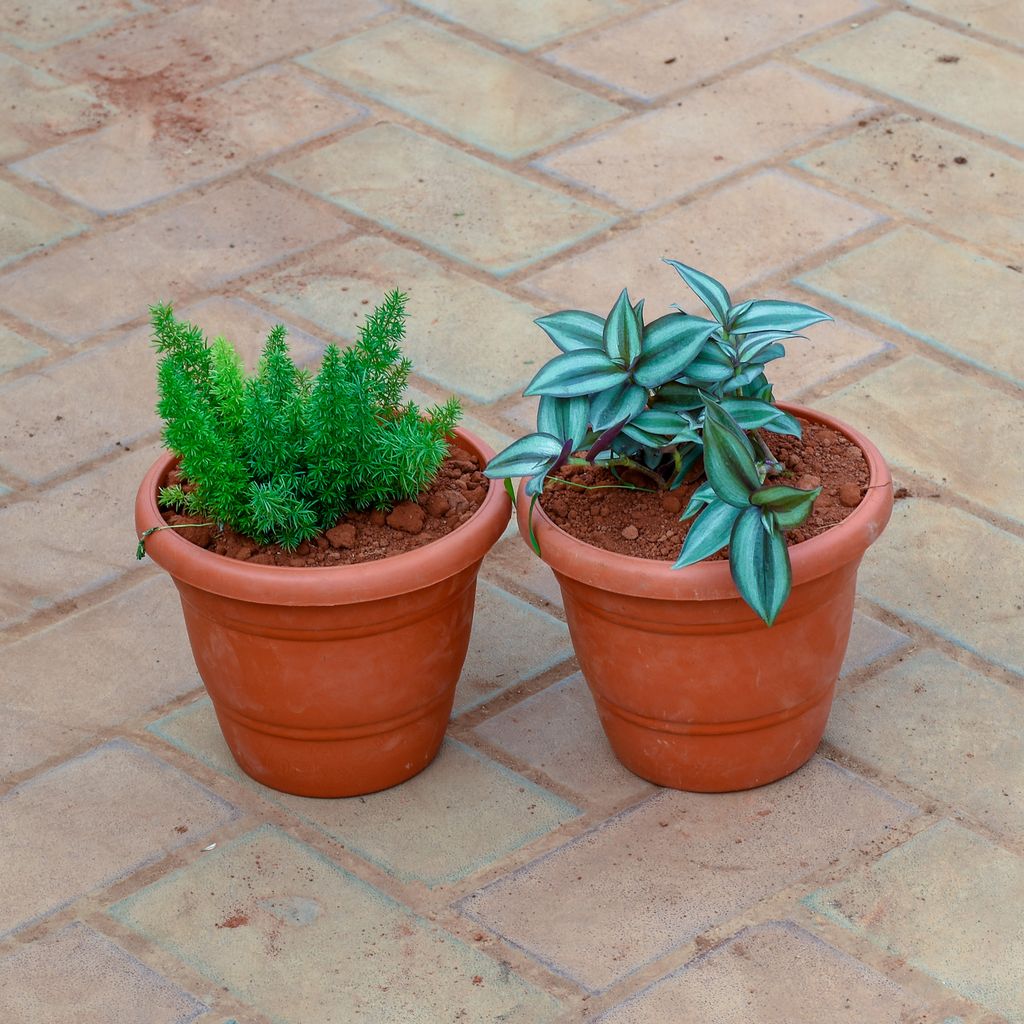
(263, 160)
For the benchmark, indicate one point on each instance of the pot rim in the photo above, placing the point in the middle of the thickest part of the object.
(324, 585)
(643, 577)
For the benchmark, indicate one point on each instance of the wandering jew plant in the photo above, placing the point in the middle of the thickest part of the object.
(657, 398)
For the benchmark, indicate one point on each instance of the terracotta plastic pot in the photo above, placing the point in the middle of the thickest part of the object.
(330, 681)
(693, 690)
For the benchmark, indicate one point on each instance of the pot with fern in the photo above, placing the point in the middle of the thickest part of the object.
(706, 538)
(325, 537)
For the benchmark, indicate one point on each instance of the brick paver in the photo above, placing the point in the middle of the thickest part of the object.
(281, 911)
(524, 24)
(1000, 20)
(657, 876)
(946, 901)
(37, 24)
(459, 204)
(450, 313)
(457, 817)
(258, 161)
(46, 110)
(55, 547)
(79, 973)
(786, 220)
(665, 154)
(557, 731)
(29, 224)
(195, 246)
(903, 56)
(931, 174)
(142, 157)
(774, 974)
(893, 277)
(493, 102)
(682, 43)
(955, 574)
(43, 715)
(15, 350)
(494, 662)
(117, 808)
(941, 424)
(942, 728)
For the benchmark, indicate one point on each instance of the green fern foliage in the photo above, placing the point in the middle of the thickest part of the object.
(281, 455)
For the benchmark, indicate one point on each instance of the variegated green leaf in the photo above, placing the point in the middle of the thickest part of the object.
(738, 310)
(767, 354)
(670, 427)
(760, 389)
(584, 371)
(789, 505)
(690, 415)
(573, 329)
(617, 404)
(529, 523)
(623, 444)
(711, 292)
(670, 344)
(709, 534)
(710, 367)
(773, 315)
(700, 497)
(643, 437)
(687, 433)
(659, 421)
(750, 414)
(525, 457)
(564, 418)
(729, 459)
(651, 457)
(752, 344)
(535, 484)
(741, 379)
(793, 517)
(759, 562)
(689, 454)
(621, 333)
(679, 396)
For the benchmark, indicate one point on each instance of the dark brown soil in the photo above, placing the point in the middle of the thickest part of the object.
(456, 493)
(646, 525)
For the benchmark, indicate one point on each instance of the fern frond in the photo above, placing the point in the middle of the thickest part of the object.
(227, 386)
(184, 343)
(282, 454)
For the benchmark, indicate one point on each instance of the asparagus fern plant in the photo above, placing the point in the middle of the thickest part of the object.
(280, 455)
(663, 396)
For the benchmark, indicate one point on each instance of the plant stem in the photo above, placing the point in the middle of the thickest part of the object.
(772, 464)
(140, 551)
(626, 463)
(602, 487)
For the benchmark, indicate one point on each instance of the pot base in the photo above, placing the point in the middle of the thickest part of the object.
(334, 763)
(722, 757)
